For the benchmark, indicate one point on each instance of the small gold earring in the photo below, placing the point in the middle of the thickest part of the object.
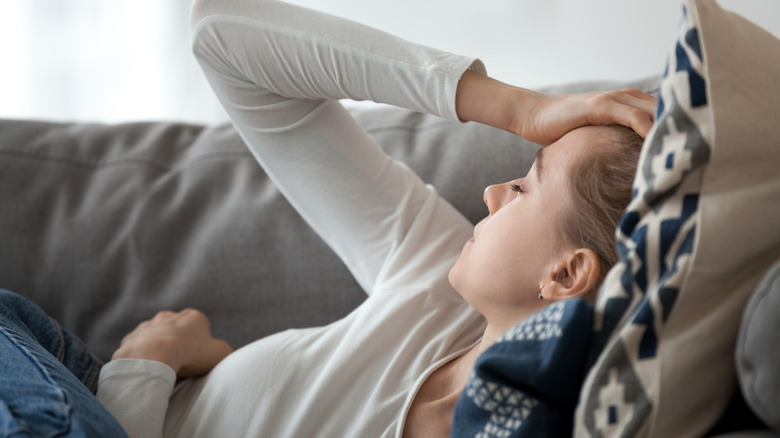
(541, 286)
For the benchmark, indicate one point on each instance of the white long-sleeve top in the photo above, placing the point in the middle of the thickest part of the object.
(278, 70)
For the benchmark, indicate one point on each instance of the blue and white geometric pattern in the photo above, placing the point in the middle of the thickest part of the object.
(527, 383)
(655, 240)
(541, 326)
(508, 407)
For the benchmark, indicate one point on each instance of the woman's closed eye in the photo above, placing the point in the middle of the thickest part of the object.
(517, 188)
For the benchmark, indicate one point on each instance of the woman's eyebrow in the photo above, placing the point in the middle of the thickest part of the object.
(538, 160)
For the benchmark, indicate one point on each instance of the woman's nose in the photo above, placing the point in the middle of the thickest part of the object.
(496, 196)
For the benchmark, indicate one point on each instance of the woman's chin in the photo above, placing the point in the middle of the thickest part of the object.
(454, 276)
(457, 283)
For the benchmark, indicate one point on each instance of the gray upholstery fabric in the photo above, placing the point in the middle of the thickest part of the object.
(757, 354)
(751, 434)
(103, 225)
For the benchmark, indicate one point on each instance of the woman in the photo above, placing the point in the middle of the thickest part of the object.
(440, 291)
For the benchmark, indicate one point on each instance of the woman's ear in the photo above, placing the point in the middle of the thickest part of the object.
(578, 276)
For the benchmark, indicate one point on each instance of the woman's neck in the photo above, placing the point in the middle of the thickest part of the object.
(456, 373)
(433, 406)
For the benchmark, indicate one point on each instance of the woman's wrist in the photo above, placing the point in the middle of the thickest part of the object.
(480, 98)
(159, 349)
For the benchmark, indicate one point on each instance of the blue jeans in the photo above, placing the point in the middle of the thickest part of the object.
(48, 377)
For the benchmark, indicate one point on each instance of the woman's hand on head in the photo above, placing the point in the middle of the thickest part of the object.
(544, 118)
(181, 340)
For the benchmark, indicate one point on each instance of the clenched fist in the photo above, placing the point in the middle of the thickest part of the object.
(181, 340)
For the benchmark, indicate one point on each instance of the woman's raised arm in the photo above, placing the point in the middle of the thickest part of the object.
(278, 70)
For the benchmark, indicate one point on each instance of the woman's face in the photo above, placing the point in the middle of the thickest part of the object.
(518, 246)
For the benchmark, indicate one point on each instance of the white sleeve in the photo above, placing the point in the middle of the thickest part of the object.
(136, 393)
(278, 68)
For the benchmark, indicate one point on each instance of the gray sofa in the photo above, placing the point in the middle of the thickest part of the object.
(103, 225)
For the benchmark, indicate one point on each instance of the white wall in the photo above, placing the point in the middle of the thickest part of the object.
(122, 60)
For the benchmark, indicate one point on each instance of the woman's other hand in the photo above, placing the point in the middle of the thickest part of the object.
(181, 340)
(544, 118)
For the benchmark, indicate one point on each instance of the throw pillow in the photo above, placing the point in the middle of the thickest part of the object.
(696, 239)
(758, 360)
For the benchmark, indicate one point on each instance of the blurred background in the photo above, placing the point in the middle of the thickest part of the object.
(128, 60)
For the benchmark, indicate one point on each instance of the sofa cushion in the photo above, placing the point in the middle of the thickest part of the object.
(698, 235)
(758, 359)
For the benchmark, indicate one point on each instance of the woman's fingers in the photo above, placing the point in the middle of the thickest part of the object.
(616, 113)
(629, 107)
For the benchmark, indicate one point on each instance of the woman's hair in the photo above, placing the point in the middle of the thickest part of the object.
(600, 188)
